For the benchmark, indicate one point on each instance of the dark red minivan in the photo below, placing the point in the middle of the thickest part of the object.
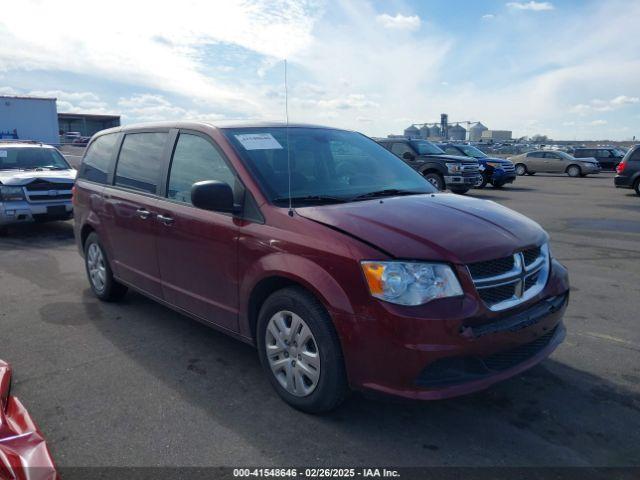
(343, 265)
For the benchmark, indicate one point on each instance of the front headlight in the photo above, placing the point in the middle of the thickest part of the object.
(9, 194)
(494, 164)
(454, 167)
(410, 283)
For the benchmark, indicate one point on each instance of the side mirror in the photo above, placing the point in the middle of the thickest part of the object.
(408, 156)
(213, 195)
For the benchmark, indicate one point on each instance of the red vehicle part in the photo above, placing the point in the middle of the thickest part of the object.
(23, 452)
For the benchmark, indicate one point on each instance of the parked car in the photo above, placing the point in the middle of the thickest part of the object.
(628, 170)
(608, 158)
(81, 141)
(496, 171)
(554, 162)
(455, 172)
(35, 184)
(345, 267)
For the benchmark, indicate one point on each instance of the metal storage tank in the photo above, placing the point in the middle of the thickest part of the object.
(457, 133)
(475, 132)
(29, 118)
(411, 132)
(435, 131)
(424, 132)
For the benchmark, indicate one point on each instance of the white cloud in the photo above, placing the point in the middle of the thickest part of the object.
(596, 123)
(488, 16)
(151, 108)
(8, 91)
(599, 105)
(532, 5)
(399, 21)
(624, 100)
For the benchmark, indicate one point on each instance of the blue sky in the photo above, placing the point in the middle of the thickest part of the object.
(568, 69)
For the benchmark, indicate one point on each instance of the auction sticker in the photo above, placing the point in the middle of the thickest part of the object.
(258, 141)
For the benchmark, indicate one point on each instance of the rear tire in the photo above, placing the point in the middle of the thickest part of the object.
(309, 376)
(435, 179)
(521, 169)
(531, 174)
(574, 171)
(99, 273)
(636, 187)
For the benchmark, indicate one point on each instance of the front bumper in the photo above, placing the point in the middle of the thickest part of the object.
(500, 176)
(463, 180)
(591, 169)
(454, 346)
(25, 212)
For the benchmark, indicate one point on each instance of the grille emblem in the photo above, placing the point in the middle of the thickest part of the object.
(53, 193)
(519, 286)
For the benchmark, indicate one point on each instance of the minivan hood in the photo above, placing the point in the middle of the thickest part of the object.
(18, 177)
(439, 226)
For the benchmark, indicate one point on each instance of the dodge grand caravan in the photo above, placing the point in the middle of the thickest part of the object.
(345, 267)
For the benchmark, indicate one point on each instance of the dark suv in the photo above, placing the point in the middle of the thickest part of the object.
(628, 170)
(455, 172)
(496, 171)
(341, 264)
(608, 158)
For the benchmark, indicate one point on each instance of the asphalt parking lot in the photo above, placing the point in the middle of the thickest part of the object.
(137, 384)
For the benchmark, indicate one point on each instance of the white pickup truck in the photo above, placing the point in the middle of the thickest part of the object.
(35, 184)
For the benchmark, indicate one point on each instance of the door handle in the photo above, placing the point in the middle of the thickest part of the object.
(166, 220)
(143, 213)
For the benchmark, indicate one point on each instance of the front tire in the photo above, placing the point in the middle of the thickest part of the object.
(460, 191)
(300, 351)
(101, 280)
(483, 183)
(574, 171)
(435, 179)
(521, 169)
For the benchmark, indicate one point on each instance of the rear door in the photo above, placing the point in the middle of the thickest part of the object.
(554, 163)
(197, 249)
(131, 205)
(535, 161)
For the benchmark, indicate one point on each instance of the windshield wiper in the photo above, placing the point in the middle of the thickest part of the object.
(388, 192)
(310, 199)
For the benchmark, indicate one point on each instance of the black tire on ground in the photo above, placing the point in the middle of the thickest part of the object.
(574, 171)
(460, 191)
(435, 179)
(531, 173)
(483, 183)
(112, 290)
(498, 184)
(636, 187)
(332, 387)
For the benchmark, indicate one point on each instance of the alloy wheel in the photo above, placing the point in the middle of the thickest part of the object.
(292, 352)
(96, 267)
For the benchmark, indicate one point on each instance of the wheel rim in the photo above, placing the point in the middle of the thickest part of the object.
(434, 181)
(292, 353)
(96, 267)
(520, 170)
(574, 172)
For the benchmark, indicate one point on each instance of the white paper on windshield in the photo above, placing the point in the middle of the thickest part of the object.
(3, 154)
(258, 141)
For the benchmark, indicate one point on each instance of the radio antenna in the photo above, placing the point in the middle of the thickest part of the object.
(286, 113)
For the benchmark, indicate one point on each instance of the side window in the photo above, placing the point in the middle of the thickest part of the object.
(552, 156)
(635, 156)
(97, 161)
(400, 148)
(535, 154)
(140, 161)
(604, 154)
(195, 160)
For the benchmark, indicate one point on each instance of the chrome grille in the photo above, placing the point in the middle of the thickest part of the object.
(470, 168)
(45, 191)
(506, 282)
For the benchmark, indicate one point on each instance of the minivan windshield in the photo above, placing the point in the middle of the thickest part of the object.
(31, 158)
(426, 148)
(327, 165)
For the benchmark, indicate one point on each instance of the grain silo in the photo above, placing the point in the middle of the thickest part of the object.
(435, 132)
(424, 132)
(457, 133)
(475, 132)
(412, 132)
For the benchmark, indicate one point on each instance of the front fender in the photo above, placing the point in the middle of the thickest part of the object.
(302, 270)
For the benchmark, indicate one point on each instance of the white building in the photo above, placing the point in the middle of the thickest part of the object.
(29, 118)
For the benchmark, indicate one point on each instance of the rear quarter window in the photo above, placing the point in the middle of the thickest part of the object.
(98, 159)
